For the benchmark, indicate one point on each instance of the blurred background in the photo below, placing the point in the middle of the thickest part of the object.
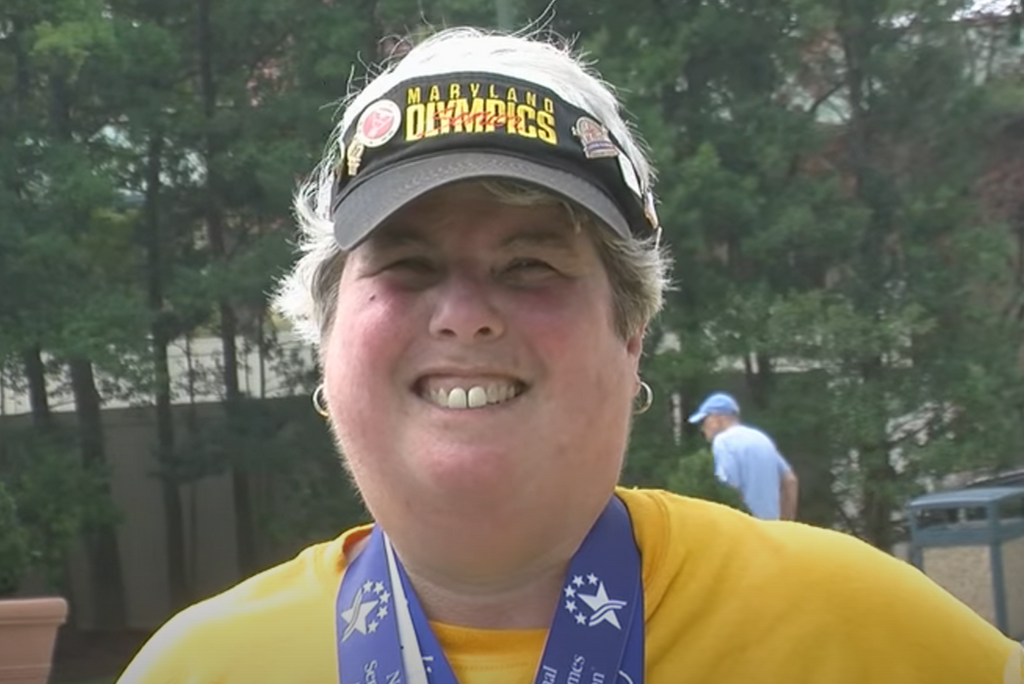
(841, 184)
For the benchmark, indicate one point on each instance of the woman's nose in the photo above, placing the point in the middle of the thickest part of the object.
(465, 310)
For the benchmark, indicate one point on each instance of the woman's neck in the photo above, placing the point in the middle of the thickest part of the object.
(494, 569)
(523, 599)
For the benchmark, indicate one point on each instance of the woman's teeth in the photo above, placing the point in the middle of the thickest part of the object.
(472, 397)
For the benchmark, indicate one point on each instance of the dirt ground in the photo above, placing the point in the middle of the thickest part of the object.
(84, 657)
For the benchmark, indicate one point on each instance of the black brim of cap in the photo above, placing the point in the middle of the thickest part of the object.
(373, 199)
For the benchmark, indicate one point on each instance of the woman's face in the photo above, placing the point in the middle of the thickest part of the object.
(473, 365)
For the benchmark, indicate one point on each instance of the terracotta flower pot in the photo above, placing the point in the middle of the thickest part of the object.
(28, 632)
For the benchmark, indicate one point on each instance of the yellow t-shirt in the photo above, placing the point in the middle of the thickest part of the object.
(728, 600)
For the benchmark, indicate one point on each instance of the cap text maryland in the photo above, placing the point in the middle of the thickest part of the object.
(478, 108)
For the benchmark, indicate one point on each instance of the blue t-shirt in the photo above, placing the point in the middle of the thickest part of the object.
(747, 459)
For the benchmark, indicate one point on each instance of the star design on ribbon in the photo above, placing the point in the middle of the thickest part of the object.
(370, 596)
(603, 608)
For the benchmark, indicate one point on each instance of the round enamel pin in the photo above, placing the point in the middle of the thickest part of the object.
(376, 125)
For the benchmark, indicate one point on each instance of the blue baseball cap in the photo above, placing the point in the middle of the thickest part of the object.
(716, 403)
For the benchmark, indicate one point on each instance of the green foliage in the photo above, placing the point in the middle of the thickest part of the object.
(58, 499)
(817, 199)
(309, 497)
(74, 35)
(694, 475)
(313, 498)
(843, 241)
(14, 549)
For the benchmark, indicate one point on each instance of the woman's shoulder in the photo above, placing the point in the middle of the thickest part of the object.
(677, 532)
(270, 612)
(773, 584)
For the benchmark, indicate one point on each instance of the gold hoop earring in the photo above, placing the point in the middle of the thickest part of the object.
(645, 402)
(319, 403)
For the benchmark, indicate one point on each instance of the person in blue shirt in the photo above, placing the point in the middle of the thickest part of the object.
(747, 459)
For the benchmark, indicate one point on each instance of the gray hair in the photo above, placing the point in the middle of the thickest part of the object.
(637, 269)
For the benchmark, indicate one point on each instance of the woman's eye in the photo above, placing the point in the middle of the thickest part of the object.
(528, 265)
(412, 265)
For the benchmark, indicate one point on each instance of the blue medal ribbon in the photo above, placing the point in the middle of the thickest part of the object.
(596, 636)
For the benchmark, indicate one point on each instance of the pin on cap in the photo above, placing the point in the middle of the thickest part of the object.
(629, 174)
(594, 137)
(355, 156)
(650, 211)
(376, 126)
(339, 162)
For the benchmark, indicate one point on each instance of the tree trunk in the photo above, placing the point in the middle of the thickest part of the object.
(878, 473)
(760, 381)
(177, 575)
(31, 358)
(872, 189)
(101, 543)
(878, 501)
(244, 533)
(35, 374)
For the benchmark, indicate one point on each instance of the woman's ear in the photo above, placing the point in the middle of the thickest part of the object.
(635, 342)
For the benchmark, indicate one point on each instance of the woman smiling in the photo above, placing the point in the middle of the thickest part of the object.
(479, 299)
